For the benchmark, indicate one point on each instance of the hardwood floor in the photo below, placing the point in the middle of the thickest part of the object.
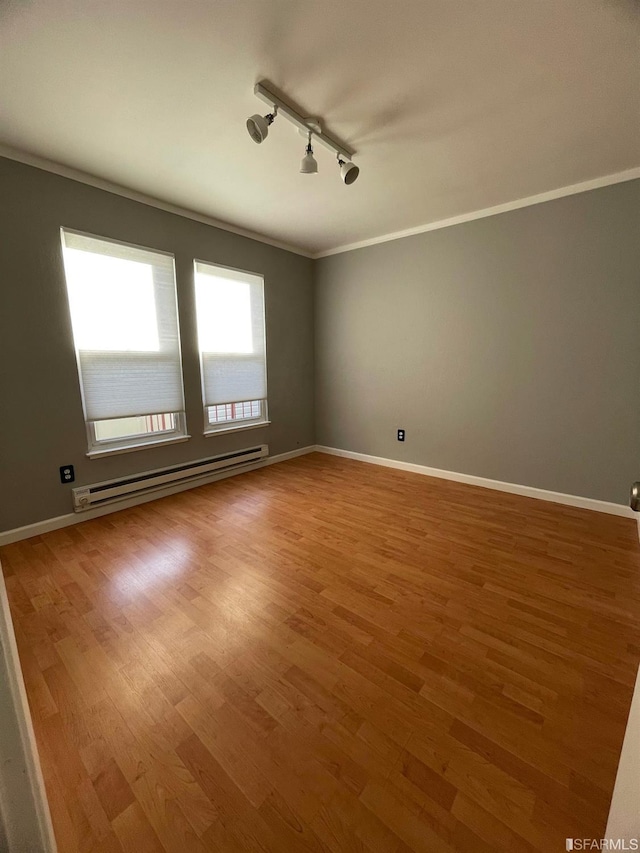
(326, 655)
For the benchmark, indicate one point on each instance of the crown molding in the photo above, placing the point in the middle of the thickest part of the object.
(109, 186)
(540, 198)
(103, 184)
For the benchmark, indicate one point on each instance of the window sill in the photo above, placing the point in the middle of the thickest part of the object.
(130, 448)
(237, 428)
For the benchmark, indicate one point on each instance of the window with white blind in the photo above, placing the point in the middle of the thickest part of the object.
(231, 336)
(124, 316)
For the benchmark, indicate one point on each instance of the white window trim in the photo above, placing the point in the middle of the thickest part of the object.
(127, 443)
(235, 427)
(241, 423)
(130, 448)
(231, 426)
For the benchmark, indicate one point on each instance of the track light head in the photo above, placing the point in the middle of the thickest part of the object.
(308, 166)
(348, 171)
(258, 126)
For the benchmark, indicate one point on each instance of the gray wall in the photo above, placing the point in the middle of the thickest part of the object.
(25, 822)
(507, 347)
(41, 420)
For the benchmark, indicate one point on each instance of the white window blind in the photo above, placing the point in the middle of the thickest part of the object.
(230, 309)
(125, 326)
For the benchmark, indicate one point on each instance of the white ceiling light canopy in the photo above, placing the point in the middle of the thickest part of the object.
(258, 127)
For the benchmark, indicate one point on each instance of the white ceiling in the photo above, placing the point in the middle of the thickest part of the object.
(452, 105)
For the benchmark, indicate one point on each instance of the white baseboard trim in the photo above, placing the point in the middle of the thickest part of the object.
(29, 530)
(25, 820)
(624, 813)
(496, 485)
(49, 524)
(291, 454)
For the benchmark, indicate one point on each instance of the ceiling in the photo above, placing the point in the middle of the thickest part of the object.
(452, 105)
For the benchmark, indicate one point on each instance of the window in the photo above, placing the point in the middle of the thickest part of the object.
(124, 316)
(231, 336)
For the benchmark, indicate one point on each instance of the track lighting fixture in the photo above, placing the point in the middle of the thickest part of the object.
(309, 165)
(258, 127)
(348, 171)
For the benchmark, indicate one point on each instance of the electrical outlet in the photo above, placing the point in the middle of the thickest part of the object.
(67, 474)
(400, 435)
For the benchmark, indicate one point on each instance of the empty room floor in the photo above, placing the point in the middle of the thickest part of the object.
(326, 655)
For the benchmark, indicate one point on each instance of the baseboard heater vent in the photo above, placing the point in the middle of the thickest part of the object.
(99, 494)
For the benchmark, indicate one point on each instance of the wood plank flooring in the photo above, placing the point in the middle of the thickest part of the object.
(325, 655)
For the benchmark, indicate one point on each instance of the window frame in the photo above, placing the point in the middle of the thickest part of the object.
(238, 423)
(125, 444)
(135, 441)
(242, 423)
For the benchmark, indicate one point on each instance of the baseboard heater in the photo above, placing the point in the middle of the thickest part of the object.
(99, 494)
